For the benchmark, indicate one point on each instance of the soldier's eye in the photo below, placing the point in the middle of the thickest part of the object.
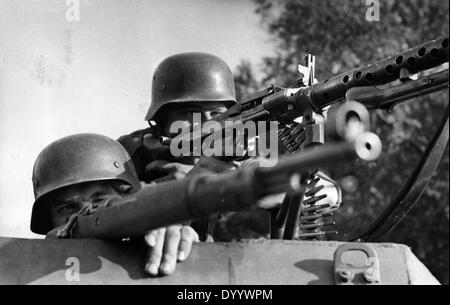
(123, 189)
(98, 200)
(101, 198)
(188, 113)
(68, 209)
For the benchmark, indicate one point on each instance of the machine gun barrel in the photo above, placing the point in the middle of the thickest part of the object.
(429, 55)
(177, 201)
(373, 97)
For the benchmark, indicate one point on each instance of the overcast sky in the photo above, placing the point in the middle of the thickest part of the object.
(59, 78)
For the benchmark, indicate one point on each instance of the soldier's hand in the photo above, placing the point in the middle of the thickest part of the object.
(167, 246)
(159, 171)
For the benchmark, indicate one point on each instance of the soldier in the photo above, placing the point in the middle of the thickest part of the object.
(86, 170)
(183, 84)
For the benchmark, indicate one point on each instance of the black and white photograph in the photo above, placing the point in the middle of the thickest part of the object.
(224, 149)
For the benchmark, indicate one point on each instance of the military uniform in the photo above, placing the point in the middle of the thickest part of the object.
(144, 148)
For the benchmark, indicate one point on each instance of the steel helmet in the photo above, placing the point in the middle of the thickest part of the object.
(191, 77)
(77, 159)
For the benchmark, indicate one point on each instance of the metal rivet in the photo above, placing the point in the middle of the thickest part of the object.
(345, 275)
(116, 164)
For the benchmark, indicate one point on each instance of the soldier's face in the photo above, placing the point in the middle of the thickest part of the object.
(184, 113)
(69, 200)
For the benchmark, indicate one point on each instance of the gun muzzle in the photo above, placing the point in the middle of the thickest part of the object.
(368, 146)
(347, 120)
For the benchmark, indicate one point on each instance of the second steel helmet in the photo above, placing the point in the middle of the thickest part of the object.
(77, 159)
(191, 77)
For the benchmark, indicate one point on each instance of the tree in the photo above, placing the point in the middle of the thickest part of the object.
(341, 38)
(245, 80)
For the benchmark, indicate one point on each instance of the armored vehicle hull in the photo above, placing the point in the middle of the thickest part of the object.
(261, 262)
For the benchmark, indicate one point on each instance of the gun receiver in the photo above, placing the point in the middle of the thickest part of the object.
(336, 126)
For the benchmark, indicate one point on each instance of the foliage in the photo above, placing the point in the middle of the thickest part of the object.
(341, 38)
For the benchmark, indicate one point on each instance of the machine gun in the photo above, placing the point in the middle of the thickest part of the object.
(173, 202)
(311, 103)
(286, 104)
